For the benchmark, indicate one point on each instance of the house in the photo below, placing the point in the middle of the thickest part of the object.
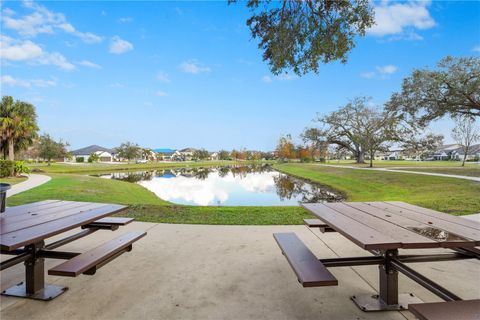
(390, 155)
(166, 154)
(444, 152)
(473, 153)
(104, 154)
(214, 156)
(187, 153)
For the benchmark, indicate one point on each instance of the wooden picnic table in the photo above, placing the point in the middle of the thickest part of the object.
(24, 229)
(382, 228)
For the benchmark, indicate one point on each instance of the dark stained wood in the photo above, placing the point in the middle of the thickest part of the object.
(450, 310)
(437, 214)
(314, 223)
(47, 216)
(44, 211)
(431, 221)
(393, 225)
(361, 234)
(309, 270)
(16, 239)
(91, 258)
(26, 208)
(119, 221)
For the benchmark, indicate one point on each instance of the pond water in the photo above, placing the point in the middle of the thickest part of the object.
(228, 186)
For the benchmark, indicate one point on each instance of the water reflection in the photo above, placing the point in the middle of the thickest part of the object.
(229, 185)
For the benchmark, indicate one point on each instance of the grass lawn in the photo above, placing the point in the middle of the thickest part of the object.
(450, 195)
(146, 206)
(471, 171)
(12, 181)
(99, 167)
(402, 163)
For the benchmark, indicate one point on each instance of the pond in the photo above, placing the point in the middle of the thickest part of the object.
(228, 186)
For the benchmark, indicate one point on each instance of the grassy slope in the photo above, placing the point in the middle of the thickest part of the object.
(99, 167)
(450, 195)
(402, 163)
(12, 181)
(470, 171)
(145, 206)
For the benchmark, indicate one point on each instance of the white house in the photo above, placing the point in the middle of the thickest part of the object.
(472, 154)
(444, 152)
(105, 154)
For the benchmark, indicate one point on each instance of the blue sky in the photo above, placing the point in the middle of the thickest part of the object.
(188, 74)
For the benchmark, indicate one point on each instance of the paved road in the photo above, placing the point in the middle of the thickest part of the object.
(408, 171)
(34, 180)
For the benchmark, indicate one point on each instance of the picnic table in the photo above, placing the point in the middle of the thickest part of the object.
(382, 228)
(24, 230)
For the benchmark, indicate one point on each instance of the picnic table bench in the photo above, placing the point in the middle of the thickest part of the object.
(382, 228)
(24, 229)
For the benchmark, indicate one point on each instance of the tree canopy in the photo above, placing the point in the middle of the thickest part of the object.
(49, 149)
(129, 150)
(299, 35)
(18, 125)
(452, 89)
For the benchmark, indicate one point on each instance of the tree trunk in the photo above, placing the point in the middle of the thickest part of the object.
(360, 157)
(465, 157)
(371, 160)
(11, 146)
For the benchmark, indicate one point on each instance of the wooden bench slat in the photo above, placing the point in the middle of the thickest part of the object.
(458, 310)
(317, 223)
(118, 221)
(96, 256)
(309, 270)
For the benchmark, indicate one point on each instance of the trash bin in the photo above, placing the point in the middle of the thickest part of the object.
(3, 195)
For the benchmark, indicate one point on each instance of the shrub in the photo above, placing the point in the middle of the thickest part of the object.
(7, 168)
(20, 167)
(80, 159)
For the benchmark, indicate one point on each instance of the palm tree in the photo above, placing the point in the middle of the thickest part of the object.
(18, 124)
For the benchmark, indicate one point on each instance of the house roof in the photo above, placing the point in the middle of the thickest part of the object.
(91, 149)
(473, 150)
(188, 150)
(164, 150)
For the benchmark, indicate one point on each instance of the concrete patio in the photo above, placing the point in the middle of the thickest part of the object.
(221, 272)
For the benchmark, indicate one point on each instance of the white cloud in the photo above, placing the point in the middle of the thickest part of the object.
(161, 93)
(397, 18)
(163, 77)
(381, 72)
(125, 20)
(193, 67)
(42, 20)
(388, 69)
(266, 79)
(26, 50)
(14, 50)
(56, 59)
(89, 64)
(116, 85)
(476, 49)
(8, 80)
(281, 77)
(119, 46)
(367, 75)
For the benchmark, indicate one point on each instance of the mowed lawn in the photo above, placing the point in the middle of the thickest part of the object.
(469, 171)
(403, 163)
(455, 196)
(13, 180)
(146, 206)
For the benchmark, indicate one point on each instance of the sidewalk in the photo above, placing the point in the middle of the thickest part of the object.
(34, 180)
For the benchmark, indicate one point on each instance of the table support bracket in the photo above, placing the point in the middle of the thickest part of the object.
(34, 285)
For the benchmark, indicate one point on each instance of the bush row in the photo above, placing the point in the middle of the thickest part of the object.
(10, 168)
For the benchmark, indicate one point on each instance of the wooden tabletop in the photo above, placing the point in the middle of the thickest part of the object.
(394, 224)
(31, 223)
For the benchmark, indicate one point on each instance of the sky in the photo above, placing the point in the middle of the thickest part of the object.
(189, 74)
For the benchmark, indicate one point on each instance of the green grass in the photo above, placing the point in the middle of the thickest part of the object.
(450, 195)
(401, 163)
(469, 171)
(13, 180)
(101, 167)
(146, 206)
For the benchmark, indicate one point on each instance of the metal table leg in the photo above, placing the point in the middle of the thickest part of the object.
(34, 285)
(388, 299)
